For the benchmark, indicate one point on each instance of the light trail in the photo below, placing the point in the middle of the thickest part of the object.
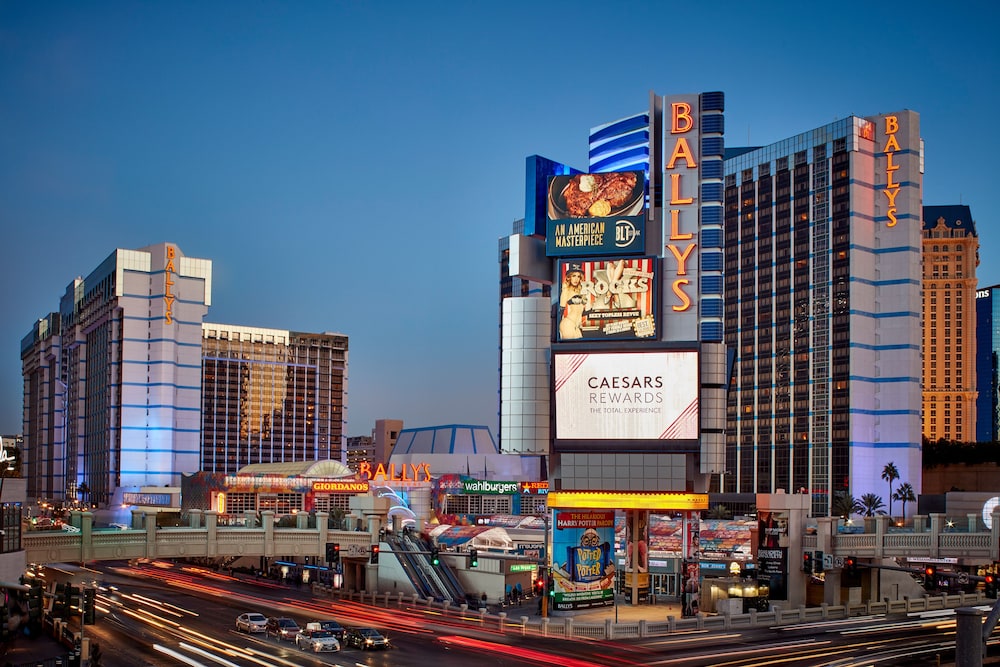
(178, 656)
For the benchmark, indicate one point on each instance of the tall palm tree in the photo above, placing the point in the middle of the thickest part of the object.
(871, 505)
(905, 495)
(890, 473)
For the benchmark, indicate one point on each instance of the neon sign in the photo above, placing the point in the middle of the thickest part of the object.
(407, 472)
(343, 486)
(169, 272)
(891, 187)
(681, 244)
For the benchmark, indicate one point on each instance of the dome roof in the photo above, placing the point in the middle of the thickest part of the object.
(448, 439)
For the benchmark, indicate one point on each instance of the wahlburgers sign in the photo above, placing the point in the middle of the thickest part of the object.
(488, 487)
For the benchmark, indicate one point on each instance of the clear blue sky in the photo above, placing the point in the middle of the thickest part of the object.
(349, 166)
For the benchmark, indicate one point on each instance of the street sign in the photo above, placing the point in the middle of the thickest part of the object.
(355, 551)
(828, 561)
(838, 561)
(963, 577)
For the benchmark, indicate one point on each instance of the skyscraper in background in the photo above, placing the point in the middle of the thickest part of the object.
(987, 368)
(113, 384)
(271, 396)
(951, 255)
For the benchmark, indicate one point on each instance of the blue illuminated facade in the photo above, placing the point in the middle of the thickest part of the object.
(987, 352)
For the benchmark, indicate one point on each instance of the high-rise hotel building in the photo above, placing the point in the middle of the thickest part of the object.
(271, 396)
(823, 286)
(951, 254)
(127, 387)
(822, 293)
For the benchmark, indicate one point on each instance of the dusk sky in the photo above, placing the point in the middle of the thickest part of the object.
(350, 166)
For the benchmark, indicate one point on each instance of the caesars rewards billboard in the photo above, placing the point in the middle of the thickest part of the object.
(626, 395)
(607, 299)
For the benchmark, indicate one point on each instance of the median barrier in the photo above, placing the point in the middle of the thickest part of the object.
(607, 629)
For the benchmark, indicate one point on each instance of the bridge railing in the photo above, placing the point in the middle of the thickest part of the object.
(208, 540)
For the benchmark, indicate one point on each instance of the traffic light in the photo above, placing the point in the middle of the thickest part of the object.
(990, 586)
(435, 557)
(89, 606)
(374, 556)
(332, 552)
(551, 583)
(5, 633)
(59, 601)
(35, 603)
(73, 600)
(818, 562)
(807, 562)
(539, 586)
(851, 565)
(473, 558)
(930, 577)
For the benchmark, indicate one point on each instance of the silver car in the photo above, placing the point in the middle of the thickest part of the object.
(251, 622)
(316, 640)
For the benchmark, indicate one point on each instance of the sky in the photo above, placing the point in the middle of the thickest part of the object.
(350, 166)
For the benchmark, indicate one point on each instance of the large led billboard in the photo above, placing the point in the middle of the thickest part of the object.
(596, 214)
(626, 395)
(607, 299)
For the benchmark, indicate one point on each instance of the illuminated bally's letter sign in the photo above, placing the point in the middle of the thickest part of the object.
(682, 168)
(168, 273)
(406, 472)
(891, 186)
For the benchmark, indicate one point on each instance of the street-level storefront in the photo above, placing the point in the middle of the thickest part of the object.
(583, 566)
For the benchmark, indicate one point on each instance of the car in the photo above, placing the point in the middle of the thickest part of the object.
(336, 628)
(282, 627)
(365, 638)
(251, 622)
(316, 640)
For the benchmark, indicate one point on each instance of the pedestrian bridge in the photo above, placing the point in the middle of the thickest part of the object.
(202, 538)
(933, 536)
(930, 537)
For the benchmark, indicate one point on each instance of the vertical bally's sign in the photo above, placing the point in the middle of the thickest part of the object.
(891, 182)
(681, 179)
(168, 295)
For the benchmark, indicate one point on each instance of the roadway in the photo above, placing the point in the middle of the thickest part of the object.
(170, 615)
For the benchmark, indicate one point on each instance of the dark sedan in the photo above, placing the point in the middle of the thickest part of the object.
(365, 638)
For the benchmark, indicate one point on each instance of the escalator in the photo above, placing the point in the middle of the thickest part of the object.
(438, 582)
(411, 566)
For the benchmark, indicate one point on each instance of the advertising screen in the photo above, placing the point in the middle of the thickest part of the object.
(596, 214)
(583, 559)
(607, 299)
(626, 395)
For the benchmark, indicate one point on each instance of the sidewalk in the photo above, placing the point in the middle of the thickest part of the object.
(621, 613)
(31, 651)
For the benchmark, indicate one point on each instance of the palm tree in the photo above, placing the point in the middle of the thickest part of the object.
(844, 505)
(719, 512)
(890, 473)
(905, 495)
(871, 505)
